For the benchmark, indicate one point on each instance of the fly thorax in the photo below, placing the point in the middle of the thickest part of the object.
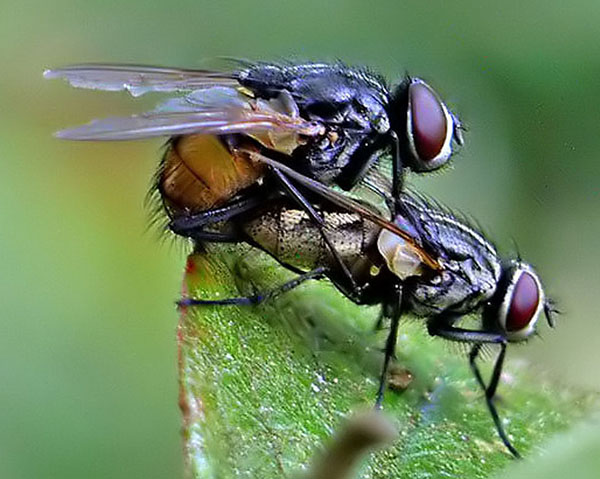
(374, 113)
(430, 295)
(381, 123)
(483, 281)
(447, 290)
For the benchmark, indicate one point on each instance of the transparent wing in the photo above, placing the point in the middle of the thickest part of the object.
(212, 111)
(139, 79)
(214, 122)
(350, 205)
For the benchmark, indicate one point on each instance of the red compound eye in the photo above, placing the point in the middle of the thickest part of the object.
(523, 303)
(429, 125)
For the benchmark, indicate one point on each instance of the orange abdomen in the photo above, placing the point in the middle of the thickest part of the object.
(199, 173)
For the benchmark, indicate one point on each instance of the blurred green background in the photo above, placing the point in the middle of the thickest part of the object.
(87, 335)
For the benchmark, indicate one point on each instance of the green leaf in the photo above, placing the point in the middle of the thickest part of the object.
(262, 387)
(574, 454)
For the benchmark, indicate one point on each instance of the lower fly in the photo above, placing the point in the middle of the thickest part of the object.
(470, 278)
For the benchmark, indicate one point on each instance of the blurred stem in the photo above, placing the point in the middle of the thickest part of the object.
(361, 434)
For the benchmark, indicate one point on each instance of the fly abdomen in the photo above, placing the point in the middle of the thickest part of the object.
(291, 237)
(200, 172)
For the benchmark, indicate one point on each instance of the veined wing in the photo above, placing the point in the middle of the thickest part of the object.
(140, 79)
(212, 122)
(212, 111)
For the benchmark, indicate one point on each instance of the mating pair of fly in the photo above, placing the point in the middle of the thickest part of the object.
(253, 154)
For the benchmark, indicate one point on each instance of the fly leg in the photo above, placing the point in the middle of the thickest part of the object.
(192, 225)
(300, 199)
(397, 177)
(490, 391)
(392, 198)
(308, 208)
(394, 313)
(214, 237)
(369, 153)
(316, 273)
(441, 326)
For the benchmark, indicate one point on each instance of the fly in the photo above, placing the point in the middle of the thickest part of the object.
(466, 275)
(327, 121)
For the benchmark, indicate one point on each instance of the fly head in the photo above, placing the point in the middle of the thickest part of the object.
(425, 125)
(518, 303)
